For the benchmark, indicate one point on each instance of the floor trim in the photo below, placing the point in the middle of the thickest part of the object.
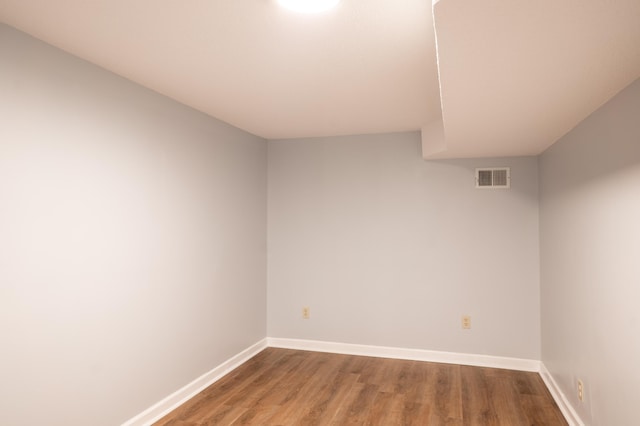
(179, 397)
(565, 406)
(410, 354)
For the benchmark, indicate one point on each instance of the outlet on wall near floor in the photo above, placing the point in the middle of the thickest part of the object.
(580, 390)
(305, 312)
(466, 322)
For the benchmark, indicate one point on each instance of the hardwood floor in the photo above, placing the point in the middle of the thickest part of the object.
(287, 387)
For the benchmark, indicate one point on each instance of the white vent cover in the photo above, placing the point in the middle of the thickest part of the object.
(494, 177)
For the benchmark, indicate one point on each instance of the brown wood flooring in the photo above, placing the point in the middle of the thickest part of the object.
(288, 387)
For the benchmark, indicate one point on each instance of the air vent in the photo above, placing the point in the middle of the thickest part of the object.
(493, 178)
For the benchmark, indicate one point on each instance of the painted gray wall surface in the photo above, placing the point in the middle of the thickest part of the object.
(387, 249)
(132, 241)
(590, 268)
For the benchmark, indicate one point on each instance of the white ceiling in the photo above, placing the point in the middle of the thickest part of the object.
(515, 75)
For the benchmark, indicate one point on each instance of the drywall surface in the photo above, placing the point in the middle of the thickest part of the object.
(132, 241)
(590, 273)
(388, 249)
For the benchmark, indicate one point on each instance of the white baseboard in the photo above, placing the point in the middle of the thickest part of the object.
(409, 354)
(179, 397)
(565, 406)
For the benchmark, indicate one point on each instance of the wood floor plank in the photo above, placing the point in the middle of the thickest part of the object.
(445, 394)
(541, 410)
(357, 412)
(287, 387)
(384, 408)
(312, 379)
(477, 398)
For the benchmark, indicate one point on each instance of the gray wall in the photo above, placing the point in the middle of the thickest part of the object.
(590, 261)
(132, 241)
(387, 249)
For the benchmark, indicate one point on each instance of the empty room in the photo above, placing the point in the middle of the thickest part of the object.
(309, 212)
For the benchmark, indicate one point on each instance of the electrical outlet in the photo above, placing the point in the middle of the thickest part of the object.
(466, 322)
(580, 390)
(305, 312)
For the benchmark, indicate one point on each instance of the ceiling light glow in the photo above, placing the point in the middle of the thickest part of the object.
(308, 6)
